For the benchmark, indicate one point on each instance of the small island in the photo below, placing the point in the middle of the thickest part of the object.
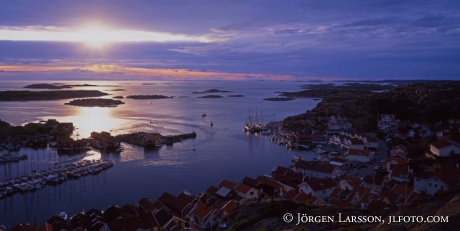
(279, 99)
(148, 97)
(118, 97)
(210, 96)
(235, 96)
(118, 89)
(48, 95)
(94, 102)
(210, 91)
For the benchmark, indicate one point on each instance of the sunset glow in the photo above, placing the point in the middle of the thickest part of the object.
(93, 35)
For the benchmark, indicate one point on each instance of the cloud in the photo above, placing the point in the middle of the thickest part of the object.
(298, 39)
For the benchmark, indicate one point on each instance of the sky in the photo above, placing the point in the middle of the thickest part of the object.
(229, 40)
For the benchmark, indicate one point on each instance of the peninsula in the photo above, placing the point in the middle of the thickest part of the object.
(48, 95)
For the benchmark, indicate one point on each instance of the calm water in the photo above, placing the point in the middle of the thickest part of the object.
(223, 152)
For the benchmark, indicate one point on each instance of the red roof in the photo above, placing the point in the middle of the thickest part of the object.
(359, 152)
(146, 204)
(230, 206)
(227, 184)
(439, 144)
(202, 210)
(315, 166)
(353, 182)
(317, 184)
(243, 188)
(270, 182)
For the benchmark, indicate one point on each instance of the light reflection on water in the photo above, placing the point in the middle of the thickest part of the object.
(223, 152)
(92, 155)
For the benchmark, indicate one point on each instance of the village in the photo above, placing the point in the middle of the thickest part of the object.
(362, 172)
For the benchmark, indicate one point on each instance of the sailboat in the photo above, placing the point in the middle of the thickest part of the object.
(203, 114)
(211, 124)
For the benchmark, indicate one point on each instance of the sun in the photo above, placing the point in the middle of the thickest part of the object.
(96, 36)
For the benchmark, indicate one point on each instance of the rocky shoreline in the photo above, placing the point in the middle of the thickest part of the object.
(429, 101)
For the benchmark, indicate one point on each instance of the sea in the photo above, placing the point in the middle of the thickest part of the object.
(222, 151)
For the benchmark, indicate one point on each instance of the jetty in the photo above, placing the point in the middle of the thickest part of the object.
(144, 138)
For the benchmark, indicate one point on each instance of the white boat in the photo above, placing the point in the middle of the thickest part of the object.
(63, 215)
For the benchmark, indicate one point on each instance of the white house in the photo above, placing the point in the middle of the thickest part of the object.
(354, 143)
(317, 169)
(371, 143)
(246, 191)
(430, 183)
(320, 188)
(444, 148)
(359, 155)
(350, 183)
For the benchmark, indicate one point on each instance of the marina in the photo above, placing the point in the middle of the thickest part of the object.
(52, 176)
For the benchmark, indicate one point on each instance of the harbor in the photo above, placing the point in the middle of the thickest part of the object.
(35, 180)
(221, 152)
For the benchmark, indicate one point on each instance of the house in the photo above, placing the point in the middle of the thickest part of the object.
(245, 191)
(349, 183)
(304, 198)
(229, 207)
(371, 143)
(399, 151)
(146, 205)
(386, 122)
(399, 173)
(153, 140)
(287, 176)
(359, 155)
(339, 162)
(346, 195)
(390, 197)
(272, 187)
(430, 183)
(309, 138)
(409, 193)
(317, 169)
(339, 123)
(373, 182)
(226, 188)
(444, 148)
(203, 214)
(317, 187)
(179, 205)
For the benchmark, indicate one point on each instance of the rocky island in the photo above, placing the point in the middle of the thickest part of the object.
(210, 96)
(148, 97)
(48, 95)
(210, 91)
(235, 96)
(93, 102)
